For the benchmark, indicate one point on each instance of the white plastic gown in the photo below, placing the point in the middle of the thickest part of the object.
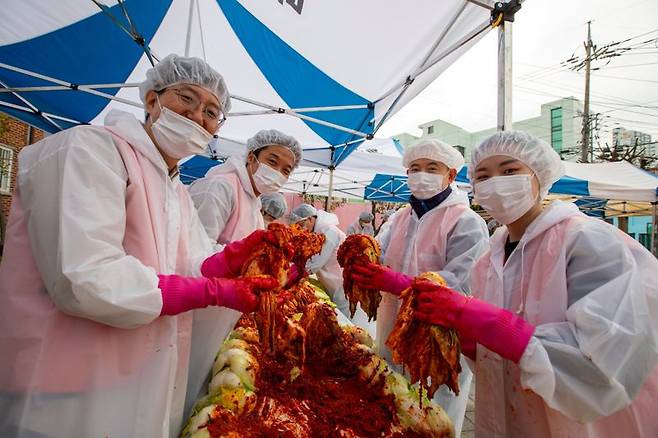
(459, 246)
(356, 228)
(84, 351)
(592, 293)
(226, 203)
(325, 264)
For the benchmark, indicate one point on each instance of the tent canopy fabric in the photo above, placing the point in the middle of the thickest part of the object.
(327, 72)
(349, 179)
(617, 180)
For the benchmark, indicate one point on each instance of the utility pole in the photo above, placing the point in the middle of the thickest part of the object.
(584, 148)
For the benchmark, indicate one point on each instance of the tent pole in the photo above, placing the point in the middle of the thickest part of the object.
(505, 76)
(30, 110)
(429, 64)
(68, 84)
(188, 38)
(66, 87)
(300, 116)
(331, 188)
(34, 109)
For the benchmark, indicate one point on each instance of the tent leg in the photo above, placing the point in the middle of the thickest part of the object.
(331, 189)
(188, 37)
(505, 76)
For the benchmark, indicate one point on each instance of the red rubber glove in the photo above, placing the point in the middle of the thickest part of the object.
(374, 276)
(468, 346)
(497, 329)
(228, 263)
(180, 294)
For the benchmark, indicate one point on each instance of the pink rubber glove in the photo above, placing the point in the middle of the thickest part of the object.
(295, 275)
(374, 276)
(180, 294)
(228, 263)
(497, 329)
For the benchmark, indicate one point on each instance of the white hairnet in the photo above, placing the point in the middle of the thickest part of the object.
(274, 204)
(304, 211)
(435, 150)
(292, 218)
(175, 69)
(388, 214)
(269, 137)
(366, 216)
(533, 152)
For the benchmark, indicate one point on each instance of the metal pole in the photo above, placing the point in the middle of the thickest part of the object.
(584, 149)
(331, 188)
(504, 76)
(68, 84)
(300, 116)
(188, 38)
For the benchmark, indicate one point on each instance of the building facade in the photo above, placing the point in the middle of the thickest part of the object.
(14, 136)
(559, 124)
(626, 138)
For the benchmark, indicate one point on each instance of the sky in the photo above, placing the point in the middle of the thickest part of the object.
(546, 33)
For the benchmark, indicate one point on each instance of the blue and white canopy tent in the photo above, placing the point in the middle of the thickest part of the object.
(327, 72)
(349, 180)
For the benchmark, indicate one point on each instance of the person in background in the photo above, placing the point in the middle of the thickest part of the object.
(273, 207)
(227, 198)
(385, 223)
(104, 261)
(363, 225)
(438, 232)
(563, 321)
(324, 265)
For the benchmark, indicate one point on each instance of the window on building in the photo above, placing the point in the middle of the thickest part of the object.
(645, 240)
(461, 150)
(430, 130)
(556, 129)
(6, 156)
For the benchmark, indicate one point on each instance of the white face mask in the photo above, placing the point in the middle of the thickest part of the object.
(424, 185)
(506, 198)
(268, 180)
(178, 136)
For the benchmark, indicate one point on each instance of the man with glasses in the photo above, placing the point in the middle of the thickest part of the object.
(107, 270)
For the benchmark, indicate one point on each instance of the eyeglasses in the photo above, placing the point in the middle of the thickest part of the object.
(191, 102)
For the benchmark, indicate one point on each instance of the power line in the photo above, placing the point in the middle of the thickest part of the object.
(626, 66)
(613, 99)
(627, 79)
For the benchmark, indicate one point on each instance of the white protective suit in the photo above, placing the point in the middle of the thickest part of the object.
(225, 200)
(84, 350)
(448, 240)
(325, 265)
(356, 228)
(592, 293)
